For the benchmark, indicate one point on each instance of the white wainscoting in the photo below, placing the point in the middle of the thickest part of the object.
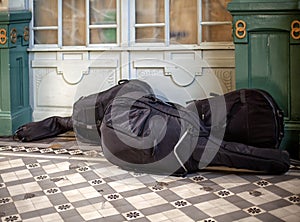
(59, 78)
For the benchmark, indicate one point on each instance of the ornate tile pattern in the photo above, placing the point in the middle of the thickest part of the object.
(53, 186)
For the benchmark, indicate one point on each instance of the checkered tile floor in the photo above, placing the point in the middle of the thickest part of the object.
(51, 182)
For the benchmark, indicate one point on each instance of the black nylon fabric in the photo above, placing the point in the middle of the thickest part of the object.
(140, 132)
(252, 117)
(86, 118)
(241, 156)
(88, 111)
(139, 113)
(46, 128)
(131, 135)
(130, 153)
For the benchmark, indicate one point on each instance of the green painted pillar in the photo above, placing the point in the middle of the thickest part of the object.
(267, 50)
(14, 80)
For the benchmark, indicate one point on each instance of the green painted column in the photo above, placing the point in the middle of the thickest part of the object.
(267, 50)
(14, 78)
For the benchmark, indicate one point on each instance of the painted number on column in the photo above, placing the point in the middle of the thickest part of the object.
(295, 29)
(3, 37)
(240, 29)
(26, 33)
(13, 35)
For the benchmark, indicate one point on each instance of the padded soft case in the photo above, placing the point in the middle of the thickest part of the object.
(150, 135)
(88, 111)
(252, 117)
(140, 132)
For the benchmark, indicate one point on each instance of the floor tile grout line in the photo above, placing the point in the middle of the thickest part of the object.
(56, 156)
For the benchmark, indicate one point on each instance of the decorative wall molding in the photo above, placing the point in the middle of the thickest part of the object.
(40, 73)
(111, 80)
(226, 78)
(60, 78)
(72, 71)
(143, 73)
(182, 72)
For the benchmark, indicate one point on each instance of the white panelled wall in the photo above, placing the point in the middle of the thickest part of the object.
(60, 78)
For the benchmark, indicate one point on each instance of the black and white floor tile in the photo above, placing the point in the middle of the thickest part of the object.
(39, 183)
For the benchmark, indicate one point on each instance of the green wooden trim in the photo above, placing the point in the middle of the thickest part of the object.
(267, 57)
(15, 109)
(267, 23)
(8, 17)
(237, 6)
(5, 81)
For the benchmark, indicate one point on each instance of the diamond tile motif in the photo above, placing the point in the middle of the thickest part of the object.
(18, 149)
(254, 210)
(83, 169)
(180, 203)
(60, 151)
(47, 150)
(96, 182)
(5, 148)
(208, 220)
(224, 193)
(42, 177)
(33, 165)
(133, 215)
(158, 187)
(113, 196)
(75, 152)
(198, 178)
(263, 183)
(294, 199)
(64, 207)
(32, 149)
(11, 218)
(5, 200)
(52, 191)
